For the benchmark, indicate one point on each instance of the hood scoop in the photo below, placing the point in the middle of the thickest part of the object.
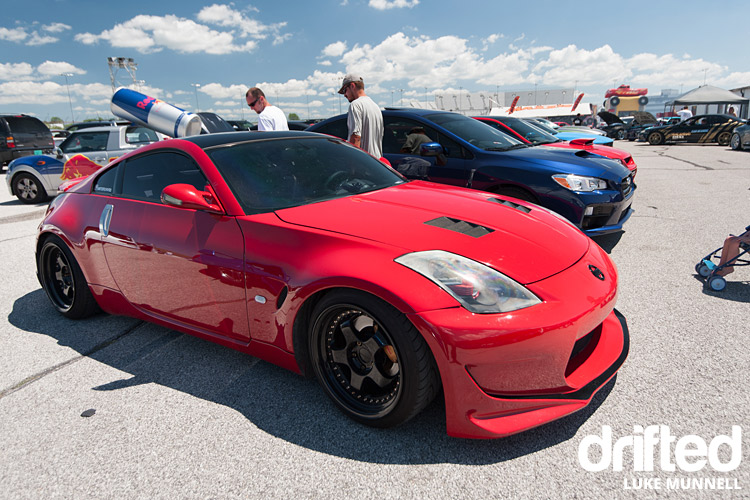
(460, 226)
(510, 204)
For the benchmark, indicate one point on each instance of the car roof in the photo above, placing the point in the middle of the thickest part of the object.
(210, 140)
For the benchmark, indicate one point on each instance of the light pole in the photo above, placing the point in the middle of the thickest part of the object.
(195, 87)
(402, 98)
(66, 75)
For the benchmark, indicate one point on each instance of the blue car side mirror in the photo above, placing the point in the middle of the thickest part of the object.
(430, 149)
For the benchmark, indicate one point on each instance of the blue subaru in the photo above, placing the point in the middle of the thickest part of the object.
(593, 192)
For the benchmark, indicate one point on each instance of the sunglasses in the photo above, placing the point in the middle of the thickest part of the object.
(253, 103)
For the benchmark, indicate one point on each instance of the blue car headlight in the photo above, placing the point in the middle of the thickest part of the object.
(478, 288)
(580, 182)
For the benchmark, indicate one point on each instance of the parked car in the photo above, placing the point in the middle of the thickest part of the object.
(698, 129)
(529, 134)
(569, 135)
(414, 285)
(740, 137)
(240, 124)
(32, 179)
(211, 123)
(23, 135)
(622, 128)
(592, 192)
(59, 136)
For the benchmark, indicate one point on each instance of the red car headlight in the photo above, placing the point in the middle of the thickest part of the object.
(478, 288)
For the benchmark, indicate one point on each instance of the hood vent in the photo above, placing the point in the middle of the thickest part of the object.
(510, 204)
(460, 226)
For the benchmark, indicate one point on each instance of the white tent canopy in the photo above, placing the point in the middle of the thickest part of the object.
(708, 94)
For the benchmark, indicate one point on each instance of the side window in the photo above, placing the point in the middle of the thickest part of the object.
(145, 177)
(85, 142)
(140, 135)
(336, 128)
(451, 148)
(105, 184)
(396, 130)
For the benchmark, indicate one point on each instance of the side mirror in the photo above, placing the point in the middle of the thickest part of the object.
(58, 153)
(186, 196)
(430, 149)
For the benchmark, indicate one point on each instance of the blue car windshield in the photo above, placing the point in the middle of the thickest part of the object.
(476, 133)
(268, 175)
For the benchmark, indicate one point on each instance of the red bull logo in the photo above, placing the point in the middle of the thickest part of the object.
(78, 166)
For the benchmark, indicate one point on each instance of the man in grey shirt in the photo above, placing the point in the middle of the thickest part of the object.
(364, 120)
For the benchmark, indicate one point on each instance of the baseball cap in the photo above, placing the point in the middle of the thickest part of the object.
(351, 77)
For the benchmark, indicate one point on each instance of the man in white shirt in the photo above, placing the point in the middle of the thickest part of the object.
(269, 117)
(364, 119)
(684, 113)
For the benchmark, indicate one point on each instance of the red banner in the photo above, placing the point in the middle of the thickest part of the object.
(575, 104)
(513, 106)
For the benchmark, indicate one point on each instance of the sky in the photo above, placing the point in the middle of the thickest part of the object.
(203, 56)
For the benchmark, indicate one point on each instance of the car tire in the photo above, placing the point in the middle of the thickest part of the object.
(621, 135)
(63, 281)
(723, 138)
(518, 193)
(369, 358)
(735, 142)
(655, 138)
(28, 189)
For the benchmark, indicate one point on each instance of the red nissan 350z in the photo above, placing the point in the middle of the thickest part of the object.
(304, 251)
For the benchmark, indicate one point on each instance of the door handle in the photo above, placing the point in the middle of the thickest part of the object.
(105, 219)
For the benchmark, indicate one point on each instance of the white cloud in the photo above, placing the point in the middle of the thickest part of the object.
(56, 27)
(335, 49)
(224, 15)
(149, 34)
(325, 63)
(54, 68)
(41, 40)
(13, 35)
(393, 4)
(16, 71)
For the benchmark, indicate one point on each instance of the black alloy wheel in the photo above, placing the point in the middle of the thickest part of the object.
(621, 135)
(723, 138)
(28, 189)
(655, 138)
(63, 281)
(370, 359)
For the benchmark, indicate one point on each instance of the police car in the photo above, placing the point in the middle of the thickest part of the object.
(698, 129)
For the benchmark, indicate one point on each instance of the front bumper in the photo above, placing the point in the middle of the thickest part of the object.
(507, 373)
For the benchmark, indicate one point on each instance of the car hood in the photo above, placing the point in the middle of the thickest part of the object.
(644, 118)
(419, 216)
(610, 118)
(583, 161)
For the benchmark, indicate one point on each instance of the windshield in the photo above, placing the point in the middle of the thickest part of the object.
(476, 133)
(273, 174)
(535, 135)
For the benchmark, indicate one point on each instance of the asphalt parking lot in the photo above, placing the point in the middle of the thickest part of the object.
(178, 417)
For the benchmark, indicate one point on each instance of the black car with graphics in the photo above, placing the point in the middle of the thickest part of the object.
(698, 129)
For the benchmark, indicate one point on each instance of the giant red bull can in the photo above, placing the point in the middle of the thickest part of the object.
(154, 113)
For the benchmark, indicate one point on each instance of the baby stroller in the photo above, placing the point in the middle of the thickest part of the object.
(708, 269)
